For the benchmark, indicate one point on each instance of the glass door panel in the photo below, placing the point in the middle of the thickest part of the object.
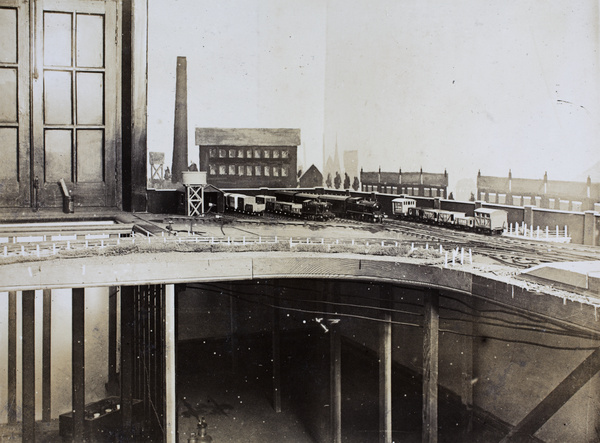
(74, 114)
(14, 104)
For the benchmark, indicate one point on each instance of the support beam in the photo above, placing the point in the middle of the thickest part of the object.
(12, 358)
(335, 373)
(276, 351)
(430, 366)
(161, 360)
(170, 343)
(557, 398)
(47, 356)
(127, 325)
(113, 381)
(466, 394)
(385, 367)
(78, 363)
(28, 366)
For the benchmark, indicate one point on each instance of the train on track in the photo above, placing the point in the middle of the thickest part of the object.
(485, 220)
(322, 207)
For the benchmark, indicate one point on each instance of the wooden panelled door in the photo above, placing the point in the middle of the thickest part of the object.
(66, 86)
(14, 104)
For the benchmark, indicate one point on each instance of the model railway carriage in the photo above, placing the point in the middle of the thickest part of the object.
(401, 205)
(485, 220)
(464, 222)
(321, 207)
(288, 209)
(234, 202)
(415, 213)
(490, 221)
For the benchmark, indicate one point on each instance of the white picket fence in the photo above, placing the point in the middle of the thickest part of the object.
(37, 248)
(556, 234)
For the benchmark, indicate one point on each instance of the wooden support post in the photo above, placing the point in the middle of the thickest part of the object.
(467, 372)
(154, 351)
(47, 356)
(12, 358)
(430, 366)
(233, 328)
(385, 368)
(78, 363)
(144, 353)
(28, 366)
(138, 364)
(170, 344)
(161, 345)
(276, 351)
(127, 325)
(335, 375)
(113, 293)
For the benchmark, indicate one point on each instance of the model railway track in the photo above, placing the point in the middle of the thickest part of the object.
(510, 251)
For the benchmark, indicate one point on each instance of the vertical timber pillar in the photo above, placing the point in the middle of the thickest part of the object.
(113, 293)
(170, 364)
(430, 366)
(385, 367)
(467, 372)
(276, 351)
(78, 363)
(46, 355)
(127, 325)
(12, 358)
(335, 374)
(28, 366)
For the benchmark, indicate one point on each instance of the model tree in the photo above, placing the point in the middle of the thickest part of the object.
(328, 181)
(346, 181)
(355, 184)
(337, 181)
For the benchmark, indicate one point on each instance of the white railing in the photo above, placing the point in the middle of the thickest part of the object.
(542, 234)
(166, 242)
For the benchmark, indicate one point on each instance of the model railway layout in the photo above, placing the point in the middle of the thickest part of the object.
(321, 207)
